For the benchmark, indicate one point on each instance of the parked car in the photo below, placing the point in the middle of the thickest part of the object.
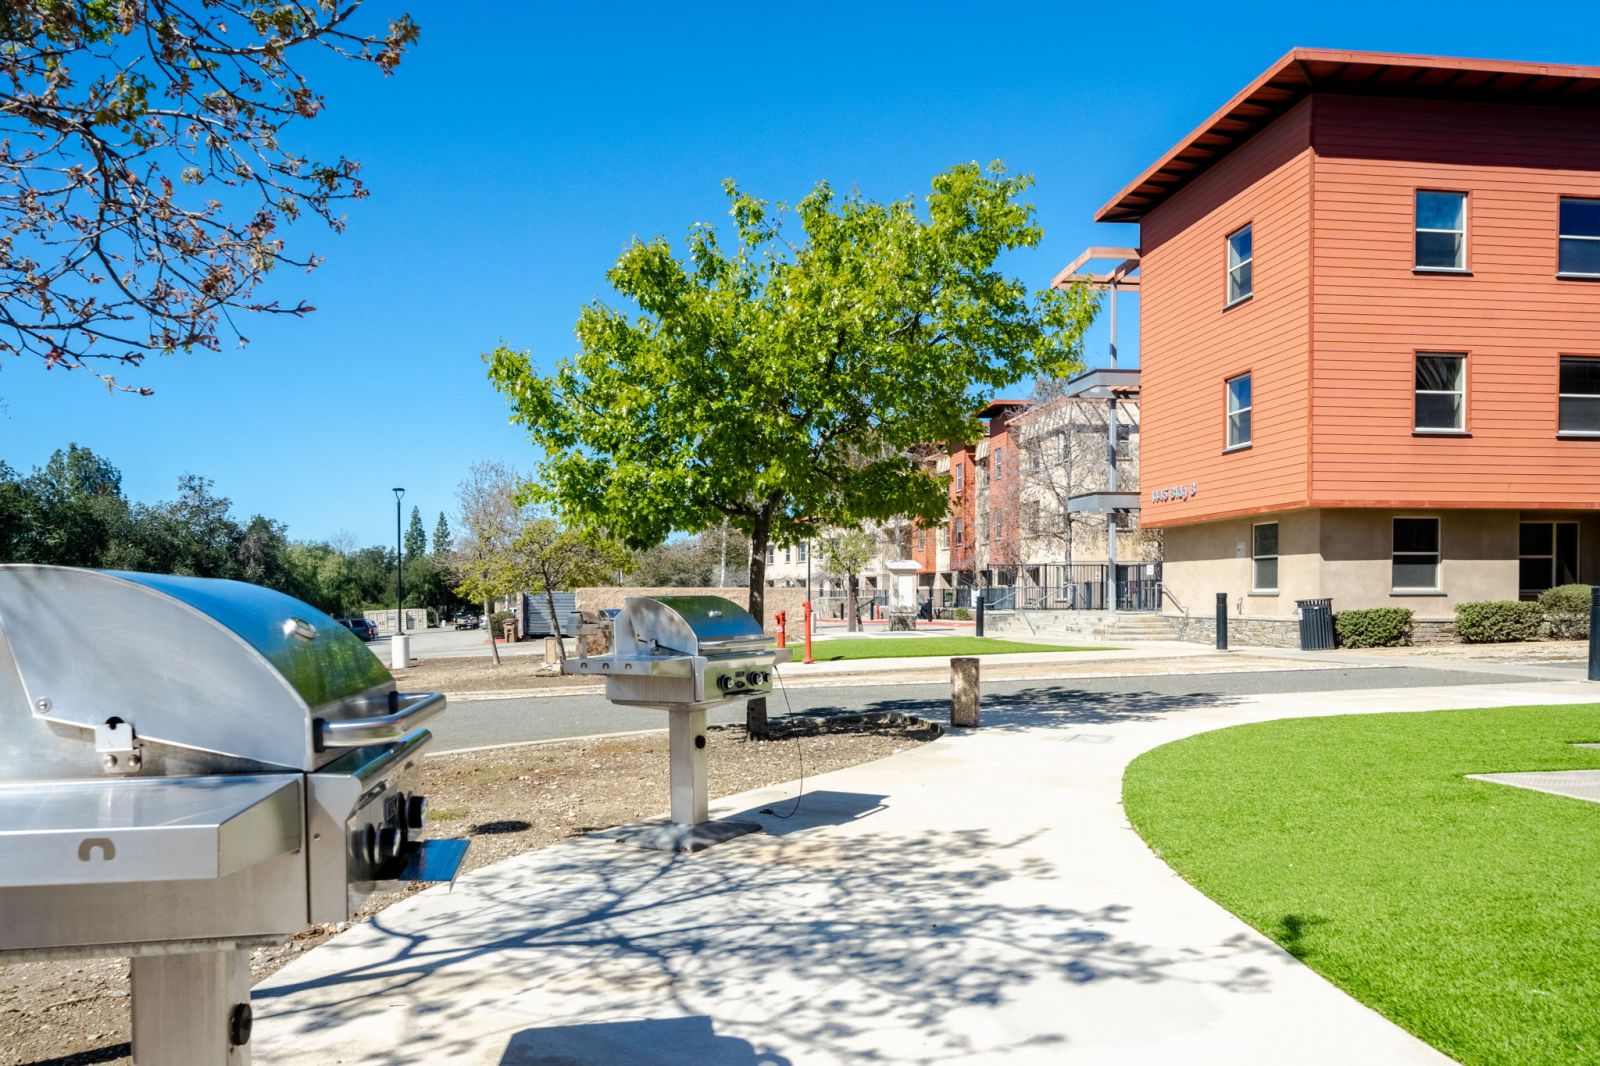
(365, 628)
(467, 621)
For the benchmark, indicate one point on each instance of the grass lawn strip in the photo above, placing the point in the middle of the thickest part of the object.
(1467, 912)
(836, 649)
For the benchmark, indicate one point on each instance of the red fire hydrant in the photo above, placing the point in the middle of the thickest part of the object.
(807, 606)
(782, 632)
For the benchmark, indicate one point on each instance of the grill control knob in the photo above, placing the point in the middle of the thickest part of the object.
(416, 811)
(389, 841)
(724, 682)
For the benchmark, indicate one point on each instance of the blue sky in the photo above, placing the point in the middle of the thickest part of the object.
(520, 146)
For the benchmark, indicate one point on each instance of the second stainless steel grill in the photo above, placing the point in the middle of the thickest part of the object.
(685, 655)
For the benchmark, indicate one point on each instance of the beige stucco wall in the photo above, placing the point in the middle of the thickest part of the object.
(1345, 555)
(1203, 560)
(1478, 560)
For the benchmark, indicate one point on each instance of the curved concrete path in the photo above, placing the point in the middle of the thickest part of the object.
(979, 900)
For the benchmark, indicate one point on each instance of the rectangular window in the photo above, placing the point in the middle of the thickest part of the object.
(1416, 555)
(1579, 401)
(1441, 231)
(961, 477)
(922, 540)
(995, 462)
(1239, 407)
(1441, 405)
(788, 555)
(1239, 259)
(1030, 516)
(944, 537)
(960, 532)
(1264, 557)
(1547, 557)
(772, 554)
(805, 551)
(1580, 238)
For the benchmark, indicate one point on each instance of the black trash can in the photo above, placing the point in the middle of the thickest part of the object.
(1316, 624)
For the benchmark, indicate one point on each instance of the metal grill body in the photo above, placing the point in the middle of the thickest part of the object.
(190, 768)
(685, 655)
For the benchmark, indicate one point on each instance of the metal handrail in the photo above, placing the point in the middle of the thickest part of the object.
(414, 709)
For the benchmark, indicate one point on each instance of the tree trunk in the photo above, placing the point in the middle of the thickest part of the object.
(550, 604)
(488, 613)
(755, 711)
(850, 603)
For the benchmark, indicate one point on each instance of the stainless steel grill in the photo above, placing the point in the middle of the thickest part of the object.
(685, 655)
(190, 768)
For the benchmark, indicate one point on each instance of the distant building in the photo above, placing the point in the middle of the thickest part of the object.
(1370, 352)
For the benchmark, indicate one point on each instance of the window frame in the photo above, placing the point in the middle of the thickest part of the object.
(1228, 299)
(1554, 556)
(802, 551)
(1256, 588)
(957, 539)
(1228, 444)
(1579, 275)
(1464, 429)
(961, 477)
(1438, 556)
(1573, 434)
(1416, 228)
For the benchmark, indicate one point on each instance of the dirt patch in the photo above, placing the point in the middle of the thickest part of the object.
(509, 801)
(1528, 651)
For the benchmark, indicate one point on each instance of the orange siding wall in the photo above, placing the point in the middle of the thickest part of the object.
(1190, 345)
(1513, 317)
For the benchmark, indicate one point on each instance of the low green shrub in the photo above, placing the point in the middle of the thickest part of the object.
(961, 614)
(1497, 621)
(1377, 627)
(498, 620)
(1566, 610)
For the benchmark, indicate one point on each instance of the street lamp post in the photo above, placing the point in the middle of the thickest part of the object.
(399, 644)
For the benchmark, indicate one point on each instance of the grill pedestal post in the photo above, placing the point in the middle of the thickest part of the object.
(686, 741)
(187, 1008)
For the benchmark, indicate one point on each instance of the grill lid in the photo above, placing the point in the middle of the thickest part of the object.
(687, 625)
(212, 666)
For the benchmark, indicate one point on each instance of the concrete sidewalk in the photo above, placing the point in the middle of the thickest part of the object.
(981, 899)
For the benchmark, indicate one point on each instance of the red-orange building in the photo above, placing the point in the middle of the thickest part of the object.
(1370, 336)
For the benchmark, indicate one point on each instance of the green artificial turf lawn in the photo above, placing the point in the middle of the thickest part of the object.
(905, 647)
(1467, 912)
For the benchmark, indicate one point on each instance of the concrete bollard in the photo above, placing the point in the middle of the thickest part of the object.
(964, 692)
(399, 651)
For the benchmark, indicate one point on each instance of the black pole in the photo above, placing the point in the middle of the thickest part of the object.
(1594, 633)
(1222, 621)
(399, 569)
(978, 629)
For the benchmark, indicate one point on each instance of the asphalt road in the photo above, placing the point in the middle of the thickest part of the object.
(479, 723)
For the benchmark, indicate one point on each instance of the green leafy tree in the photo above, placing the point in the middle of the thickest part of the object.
(149, 179)
(546, 557)
(443, 543)
(780, 384)
(847, 553)
(416, 540)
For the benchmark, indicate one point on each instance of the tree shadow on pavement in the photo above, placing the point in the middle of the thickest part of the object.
(1051, 706)
(825, 943)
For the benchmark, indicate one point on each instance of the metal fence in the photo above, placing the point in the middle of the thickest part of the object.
(1078, 587)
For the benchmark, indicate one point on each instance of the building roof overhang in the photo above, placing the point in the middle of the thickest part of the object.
(1103, 384)
(996, 407)
(1102, 502)
(1304, 71)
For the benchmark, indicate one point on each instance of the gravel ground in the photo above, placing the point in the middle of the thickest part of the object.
(508, 801)
(523, 673)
